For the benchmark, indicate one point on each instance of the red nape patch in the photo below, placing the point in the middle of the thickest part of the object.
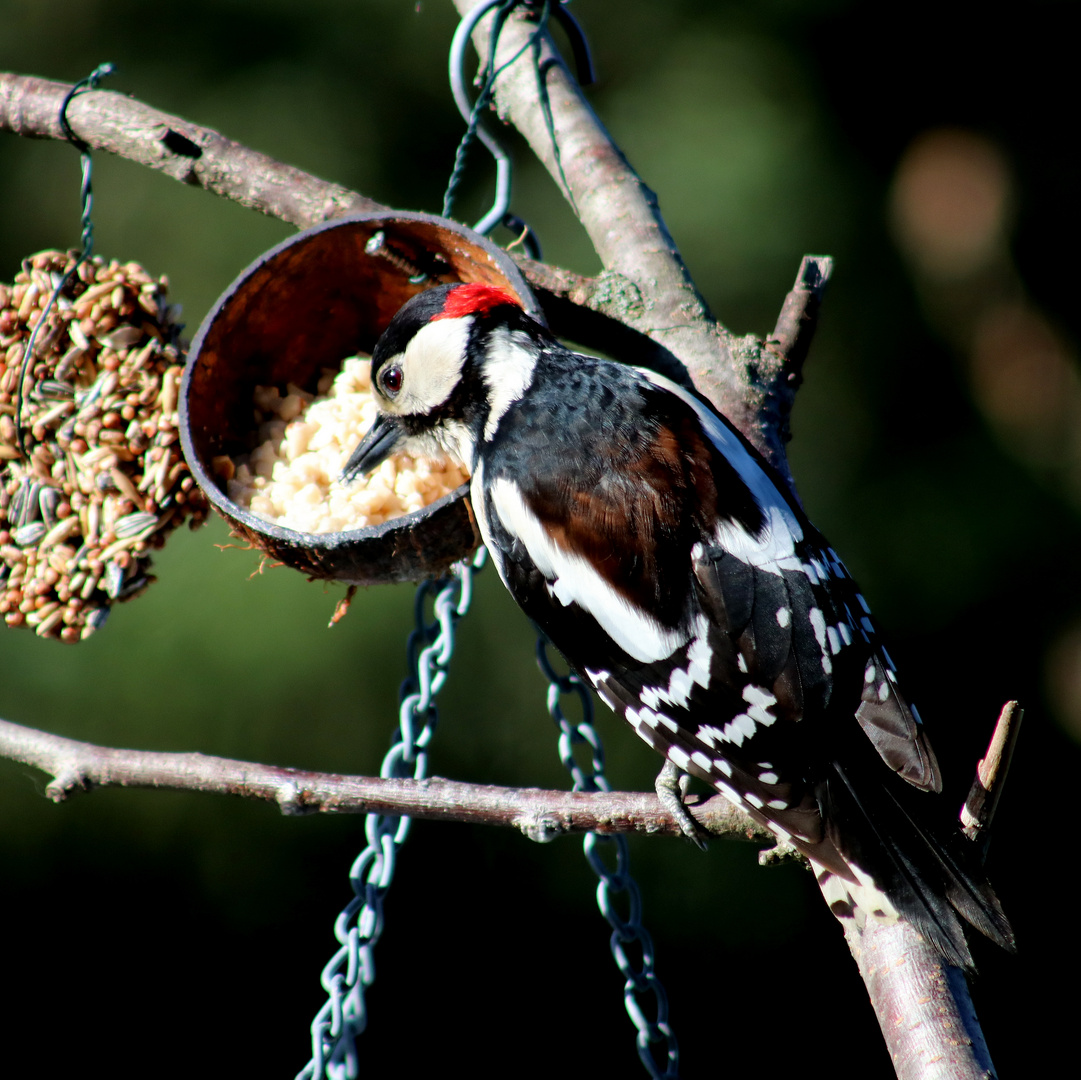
(473, 300)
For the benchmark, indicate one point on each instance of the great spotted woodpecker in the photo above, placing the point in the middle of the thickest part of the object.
(668, 563)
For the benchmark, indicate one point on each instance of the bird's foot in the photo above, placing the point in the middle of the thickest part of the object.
(671, 786)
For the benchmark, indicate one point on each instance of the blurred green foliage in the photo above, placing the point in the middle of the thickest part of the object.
(183, 935)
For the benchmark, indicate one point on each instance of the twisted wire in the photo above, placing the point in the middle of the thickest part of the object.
(86, 196)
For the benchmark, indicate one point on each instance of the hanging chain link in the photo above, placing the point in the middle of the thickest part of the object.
(351, 969)
(627, 930)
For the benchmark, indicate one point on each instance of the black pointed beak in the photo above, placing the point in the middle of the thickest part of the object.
(383, 438)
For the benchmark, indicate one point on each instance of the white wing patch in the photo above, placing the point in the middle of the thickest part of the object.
(572, 580)
(774, 549)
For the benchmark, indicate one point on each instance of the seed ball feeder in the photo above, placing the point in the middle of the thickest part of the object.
(91, 475)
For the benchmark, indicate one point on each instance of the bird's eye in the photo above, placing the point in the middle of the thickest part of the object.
(392, 380)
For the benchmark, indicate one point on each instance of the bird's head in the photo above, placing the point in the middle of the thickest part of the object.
(449, 358)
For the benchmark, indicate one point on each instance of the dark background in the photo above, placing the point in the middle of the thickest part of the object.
(936, 444)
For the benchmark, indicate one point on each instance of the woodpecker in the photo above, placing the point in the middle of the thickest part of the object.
(668, 562)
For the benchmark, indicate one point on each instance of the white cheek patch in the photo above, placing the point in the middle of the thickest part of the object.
(572, 580)
(508, 372)
(431, 366)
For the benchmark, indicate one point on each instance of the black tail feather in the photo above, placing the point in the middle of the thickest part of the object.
(920, 863)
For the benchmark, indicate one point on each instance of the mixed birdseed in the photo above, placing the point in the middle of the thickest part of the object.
(98, 479)
(292, 477)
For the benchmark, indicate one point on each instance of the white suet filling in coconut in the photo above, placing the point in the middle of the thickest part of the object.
(293, 477)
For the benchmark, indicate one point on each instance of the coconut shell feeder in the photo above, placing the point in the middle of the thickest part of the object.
(302, 308)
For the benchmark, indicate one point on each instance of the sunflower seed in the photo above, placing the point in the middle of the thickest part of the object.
(114, 580)
(48, 501)
(27, 535)
(134, 525)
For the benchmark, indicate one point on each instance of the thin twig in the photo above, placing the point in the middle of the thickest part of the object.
(986, 791)
(790, 343)
(798, 320)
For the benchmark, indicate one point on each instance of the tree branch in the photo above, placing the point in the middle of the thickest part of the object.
(647, 285)
(542, 815)
(587, 310)
(923, 1006)
(118, 124)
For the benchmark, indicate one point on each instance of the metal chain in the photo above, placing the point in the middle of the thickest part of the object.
(627, 931)
(351, 969)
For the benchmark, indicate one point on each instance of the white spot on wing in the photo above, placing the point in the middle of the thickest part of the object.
(784, 617)
(708, 735)
(678, 757)
(682, 681)
(728, 792)
(701, 760)
(757, 696)
(818, 624)
(740, 727)
(699, 654)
